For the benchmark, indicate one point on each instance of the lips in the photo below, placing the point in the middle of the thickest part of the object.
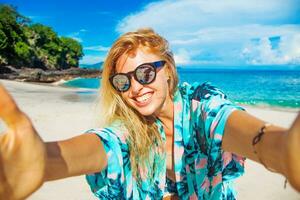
(144, 99)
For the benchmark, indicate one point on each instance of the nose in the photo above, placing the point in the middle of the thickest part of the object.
(135, 86)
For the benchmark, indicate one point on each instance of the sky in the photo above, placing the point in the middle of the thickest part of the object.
(200, 32)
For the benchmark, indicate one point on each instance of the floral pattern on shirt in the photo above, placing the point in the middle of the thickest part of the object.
(202, 169)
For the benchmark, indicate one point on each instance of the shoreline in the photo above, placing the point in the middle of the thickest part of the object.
(271, 108)
(60, 84)
(259, 105)
(59, 113)
(47, 75)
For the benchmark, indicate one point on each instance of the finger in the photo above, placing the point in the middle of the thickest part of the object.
(9, 111)
(5, 189)
(296, 124)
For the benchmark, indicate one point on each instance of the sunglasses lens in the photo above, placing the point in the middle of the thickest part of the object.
(121, 82)
(145, 74)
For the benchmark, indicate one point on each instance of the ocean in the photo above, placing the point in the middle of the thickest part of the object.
(267, 87)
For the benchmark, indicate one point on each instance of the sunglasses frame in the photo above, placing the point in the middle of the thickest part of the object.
(155, 65)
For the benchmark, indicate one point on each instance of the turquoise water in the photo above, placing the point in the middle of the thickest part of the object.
(279, 88)
(83, 83)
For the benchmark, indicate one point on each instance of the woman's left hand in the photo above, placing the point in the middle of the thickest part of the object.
(278, 149)
(292, 154)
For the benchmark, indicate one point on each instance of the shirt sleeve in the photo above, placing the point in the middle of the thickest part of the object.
(215, 109)
(108, 183)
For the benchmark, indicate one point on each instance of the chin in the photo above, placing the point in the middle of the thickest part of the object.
(146, 111)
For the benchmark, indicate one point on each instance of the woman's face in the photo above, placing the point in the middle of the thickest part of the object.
(146, 99)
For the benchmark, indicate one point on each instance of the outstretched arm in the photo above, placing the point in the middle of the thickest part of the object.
(278, 149)
(79, 155)
(26, 161)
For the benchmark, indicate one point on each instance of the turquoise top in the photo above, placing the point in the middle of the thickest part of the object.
(202, 169)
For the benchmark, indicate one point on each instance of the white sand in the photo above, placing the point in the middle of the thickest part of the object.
(60, 113)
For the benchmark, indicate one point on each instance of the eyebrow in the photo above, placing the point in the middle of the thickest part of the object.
(134, 68)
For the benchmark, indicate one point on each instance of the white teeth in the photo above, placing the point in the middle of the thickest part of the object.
(144, 97)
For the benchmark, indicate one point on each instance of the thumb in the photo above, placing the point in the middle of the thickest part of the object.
(9, 111)
(296, 125)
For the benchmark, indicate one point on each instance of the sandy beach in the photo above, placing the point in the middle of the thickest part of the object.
(59, 113)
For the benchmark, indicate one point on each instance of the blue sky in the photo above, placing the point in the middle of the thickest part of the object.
(200, 32)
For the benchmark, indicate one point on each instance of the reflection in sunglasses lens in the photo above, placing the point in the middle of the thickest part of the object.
(121, 82)
(145, 74)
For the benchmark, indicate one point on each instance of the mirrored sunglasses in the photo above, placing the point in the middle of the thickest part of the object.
(144, 74)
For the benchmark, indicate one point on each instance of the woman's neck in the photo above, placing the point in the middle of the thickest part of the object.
(166, 116)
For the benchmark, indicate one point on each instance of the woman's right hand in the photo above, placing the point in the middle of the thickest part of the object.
(22, 152)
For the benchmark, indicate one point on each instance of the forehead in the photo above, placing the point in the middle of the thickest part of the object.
(129, 61)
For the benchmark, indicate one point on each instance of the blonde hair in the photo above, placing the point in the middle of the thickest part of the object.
(142, 131)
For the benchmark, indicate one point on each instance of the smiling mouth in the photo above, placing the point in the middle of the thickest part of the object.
(144, 99)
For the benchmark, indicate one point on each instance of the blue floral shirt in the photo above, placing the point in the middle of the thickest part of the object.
(202, 169)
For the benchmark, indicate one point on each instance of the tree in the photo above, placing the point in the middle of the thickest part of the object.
(34, 45)
(46, 45)
(71, 52)
(11, 34)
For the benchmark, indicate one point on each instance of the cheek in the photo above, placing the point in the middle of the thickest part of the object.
(162, 82)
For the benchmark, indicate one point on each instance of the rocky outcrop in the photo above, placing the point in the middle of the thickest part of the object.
(49, 76)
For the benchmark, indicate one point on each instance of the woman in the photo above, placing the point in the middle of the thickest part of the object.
(159, 140)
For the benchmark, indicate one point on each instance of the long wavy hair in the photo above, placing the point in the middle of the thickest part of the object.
(142, 132)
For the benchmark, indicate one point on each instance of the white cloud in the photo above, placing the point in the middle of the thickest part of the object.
(288, 51)
(37, 18)
(203, 31)
(230, 45)
(182, 57)
(97, 48)
(77, 38)
(91, 59)
(78, 35)
(194, 14)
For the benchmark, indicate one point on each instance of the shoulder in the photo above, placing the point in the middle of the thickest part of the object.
(200, 91)
(206, 98)
(115, 132)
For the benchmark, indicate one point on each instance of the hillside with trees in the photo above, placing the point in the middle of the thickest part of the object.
(33, 48)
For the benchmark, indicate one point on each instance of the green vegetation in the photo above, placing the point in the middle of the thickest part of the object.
(24, 44)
